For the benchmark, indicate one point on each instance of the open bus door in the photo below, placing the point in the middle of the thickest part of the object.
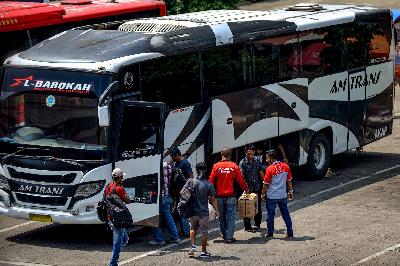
(139, 153)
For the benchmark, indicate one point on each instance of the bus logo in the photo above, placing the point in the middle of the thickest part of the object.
(48, 85)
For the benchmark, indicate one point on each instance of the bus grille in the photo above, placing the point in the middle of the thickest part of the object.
(62, 179)
(51, 201)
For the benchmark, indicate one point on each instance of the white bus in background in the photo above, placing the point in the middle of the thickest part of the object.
(317, 79)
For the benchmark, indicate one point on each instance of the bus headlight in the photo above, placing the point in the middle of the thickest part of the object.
(4, 183)
(89, 189)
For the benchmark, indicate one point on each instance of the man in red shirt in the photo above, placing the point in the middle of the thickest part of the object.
(120, 237)
(277, 176)
(223, 176)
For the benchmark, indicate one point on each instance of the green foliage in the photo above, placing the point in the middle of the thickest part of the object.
(185, 6)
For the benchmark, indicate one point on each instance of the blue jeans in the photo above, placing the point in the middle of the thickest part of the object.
(120, 239)
(168, 220)
(282, 204)
(227, 212)
(185, 226)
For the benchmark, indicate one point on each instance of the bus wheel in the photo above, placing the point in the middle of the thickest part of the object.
(319, 156)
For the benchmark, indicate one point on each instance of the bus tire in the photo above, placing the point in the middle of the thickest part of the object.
(319, 156)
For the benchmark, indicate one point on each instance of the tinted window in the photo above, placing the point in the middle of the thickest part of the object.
(140, 132)
(225, 70)
(173, 80)
(276, 59)
(322, 51)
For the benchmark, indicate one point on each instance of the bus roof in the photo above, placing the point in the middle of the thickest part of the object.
(26, 15)
(149, 38)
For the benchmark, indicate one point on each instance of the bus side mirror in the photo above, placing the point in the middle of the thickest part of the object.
(104, 115)
(103, 112)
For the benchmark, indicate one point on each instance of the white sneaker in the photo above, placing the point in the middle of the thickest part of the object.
(192, 251)
(156, 243)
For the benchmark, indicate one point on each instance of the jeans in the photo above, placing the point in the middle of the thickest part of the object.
(257, 217)
(185, 226)
(120, 239)
(227, 211)
(282, 204)
(167, 220)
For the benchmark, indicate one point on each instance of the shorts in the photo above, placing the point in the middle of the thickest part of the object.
(199, 224)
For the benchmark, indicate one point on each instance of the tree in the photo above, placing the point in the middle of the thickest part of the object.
(185, 6)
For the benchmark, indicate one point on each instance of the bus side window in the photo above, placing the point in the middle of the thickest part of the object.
(378, 47)
(276, 59)
(225, 70)
(266, 63)
(322, 51)
(356, 35)
(174, 80)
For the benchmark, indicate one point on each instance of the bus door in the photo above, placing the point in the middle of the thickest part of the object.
(356, 107)
(138, 152)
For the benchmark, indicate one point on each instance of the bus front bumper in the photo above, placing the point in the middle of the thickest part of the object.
(80, 216)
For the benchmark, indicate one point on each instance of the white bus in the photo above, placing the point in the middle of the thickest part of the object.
(317, 79)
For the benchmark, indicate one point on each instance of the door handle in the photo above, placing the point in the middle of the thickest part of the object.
(293, 104)
(229, 120)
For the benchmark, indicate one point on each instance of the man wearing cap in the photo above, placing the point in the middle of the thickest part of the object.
(120, 237)
(277, 178)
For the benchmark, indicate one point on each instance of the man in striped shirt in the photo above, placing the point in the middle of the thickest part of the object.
(277, 177)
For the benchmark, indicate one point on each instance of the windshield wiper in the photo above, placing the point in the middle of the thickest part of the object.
(3, 160)
(63, 160)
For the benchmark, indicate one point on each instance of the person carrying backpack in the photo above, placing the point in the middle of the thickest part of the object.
(120, 237)
(181, 174)
(203, 193)
(224, 175)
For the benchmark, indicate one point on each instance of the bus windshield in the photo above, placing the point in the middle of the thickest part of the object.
(59, 114)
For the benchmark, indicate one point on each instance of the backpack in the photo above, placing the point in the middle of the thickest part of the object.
(187, 199)
(119, 213)
(176, 183)
(102, 211)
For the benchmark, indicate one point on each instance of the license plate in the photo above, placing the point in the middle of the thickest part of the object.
(40, 218)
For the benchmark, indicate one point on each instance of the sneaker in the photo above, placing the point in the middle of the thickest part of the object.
(289, 236)
(174, 241)
(192, 251)
(156, 243)
(256, 228)
(249, 230)
(270, 235)
(204, 255)
(230, 241)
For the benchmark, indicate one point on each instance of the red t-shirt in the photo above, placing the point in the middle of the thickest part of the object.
(119, 190)
(223, 176)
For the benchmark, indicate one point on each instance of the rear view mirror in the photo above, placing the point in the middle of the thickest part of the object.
(104, 116)
(103, 112)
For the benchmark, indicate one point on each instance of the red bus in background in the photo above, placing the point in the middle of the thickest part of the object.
(24, 24)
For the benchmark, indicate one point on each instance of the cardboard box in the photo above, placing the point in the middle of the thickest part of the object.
(248, 205)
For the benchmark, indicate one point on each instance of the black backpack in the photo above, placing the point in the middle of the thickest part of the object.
(187, 199)
(176, 183)
(119, 213)
(102, 211)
